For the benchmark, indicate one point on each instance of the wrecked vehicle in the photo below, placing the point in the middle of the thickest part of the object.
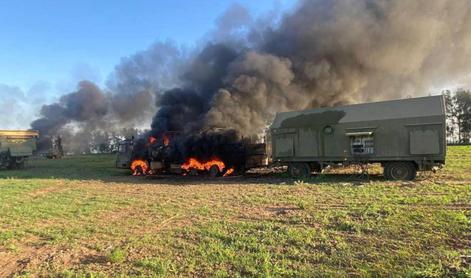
(166, 153)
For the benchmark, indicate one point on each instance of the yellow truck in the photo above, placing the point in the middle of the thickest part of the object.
(15, 147)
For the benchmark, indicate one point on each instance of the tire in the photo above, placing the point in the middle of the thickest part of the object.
(139, 171)
(299, 170)
(20, 163)
(193, 172)
(214, 171)
(400, 171)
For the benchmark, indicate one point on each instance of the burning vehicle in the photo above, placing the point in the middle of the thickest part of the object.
(208, 153)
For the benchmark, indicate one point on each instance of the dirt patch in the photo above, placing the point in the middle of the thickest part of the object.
(283, 210)
(17, 262)
(269, 212)
(44, 258)
(46, 190)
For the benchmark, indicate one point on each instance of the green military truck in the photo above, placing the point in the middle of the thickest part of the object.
(405, 136)
(15, 147)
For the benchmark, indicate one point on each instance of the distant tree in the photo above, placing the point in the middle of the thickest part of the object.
(104, 143)
(451, 126)
(458, 115)
(463, 114)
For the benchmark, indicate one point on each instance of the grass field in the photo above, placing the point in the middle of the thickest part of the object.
(81, 217)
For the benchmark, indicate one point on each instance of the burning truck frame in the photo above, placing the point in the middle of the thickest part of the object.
(208, 153)
(404, 136)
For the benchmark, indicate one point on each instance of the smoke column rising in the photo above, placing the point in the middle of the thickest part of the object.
(322, 53)
(336, 52)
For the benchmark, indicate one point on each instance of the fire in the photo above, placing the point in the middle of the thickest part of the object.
(215, 167)
(228, 172)
(139, 167)
(166, 140)
(194, 163)
(152, 140)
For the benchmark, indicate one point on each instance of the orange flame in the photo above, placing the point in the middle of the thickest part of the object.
(152, 140)
(193, 163)
(166, 140)
(228, 172)
(139, 167)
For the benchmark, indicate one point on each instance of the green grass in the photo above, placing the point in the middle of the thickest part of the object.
(81, 217)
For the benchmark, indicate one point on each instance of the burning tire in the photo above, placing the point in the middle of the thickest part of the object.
(139, 167)
(193, 172)
(214, 171)
(213, 167)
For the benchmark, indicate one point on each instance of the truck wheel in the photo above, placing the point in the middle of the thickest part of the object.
(214, 171)
(299, 170)
(400, 171)
(20, 163)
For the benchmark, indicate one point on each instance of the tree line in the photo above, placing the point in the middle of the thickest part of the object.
(458, 116)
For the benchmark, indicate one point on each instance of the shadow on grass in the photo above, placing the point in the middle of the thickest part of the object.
(102, 168)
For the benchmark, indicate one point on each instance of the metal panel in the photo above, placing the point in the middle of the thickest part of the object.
(385, 110)
(284, 145)
(360, 133)
(308, 145)
(424, 141)
(18, 133)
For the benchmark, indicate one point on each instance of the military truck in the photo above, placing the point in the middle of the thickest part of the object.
(15, 147)
(162, 154)
(404, 136)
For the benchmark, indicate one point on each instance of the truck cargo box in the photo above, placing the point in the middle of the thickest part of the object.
(16, 146)
(410, 131)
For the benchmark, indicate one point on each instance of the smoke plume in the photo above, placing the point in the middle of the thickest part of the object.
(322, 53)
(335, 52)
(128, 101)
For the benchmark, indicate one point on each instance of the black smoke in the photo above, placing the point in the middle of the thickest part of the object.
(181, 109)
(86, 105)
(322, 53)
